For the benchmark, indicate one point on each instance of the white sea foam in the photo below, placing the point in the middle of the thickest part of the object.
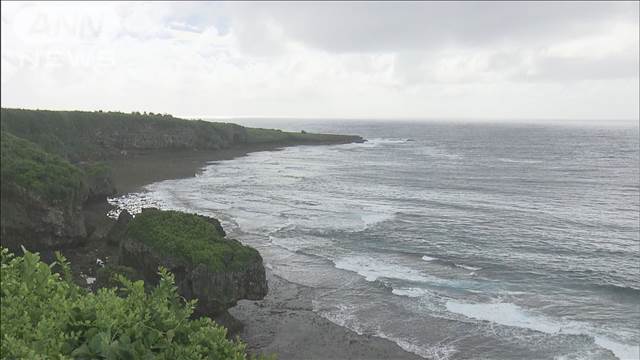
(372, 218)
(387, 141)
(286, 243)
(374, 142)
(621, 351)
(133, 203)
(472, 268)
(438, 352)
(374, 214)
(435, 152)
(512, 315)
(305, 243)
(412, 292)
(520, 161)
(344, 315)
(372, 269)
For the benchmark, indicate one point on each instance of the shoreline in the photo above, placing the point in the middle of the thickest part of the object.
(132, 173)
(283, 322)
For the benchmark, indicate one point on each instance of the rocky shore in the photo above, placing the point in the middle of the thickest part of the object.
(54, 199)
(283, 323)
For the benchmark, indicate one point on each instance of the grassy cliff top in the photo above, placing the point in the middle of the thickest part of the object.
(98, 135)
(27, 166)
(191, 238)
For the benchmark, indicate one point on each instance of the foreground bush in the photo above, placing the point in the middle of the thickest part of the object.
(45, 316)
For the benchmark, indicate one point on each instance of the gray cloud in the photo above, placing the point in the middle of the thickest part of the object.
(355, 59)
(560, 68)
(396, 26)
(419, 32)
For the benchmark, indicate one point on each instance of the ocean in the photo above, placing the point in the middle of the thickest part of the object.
(454, 240)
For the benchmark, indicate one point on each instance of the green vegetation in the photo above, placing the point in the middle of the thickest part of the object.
(103, 135)
(189, 237)
(259, 136)
(98, 135)
(97, 170)
(45, 316)
(108, 275)
(27, 166)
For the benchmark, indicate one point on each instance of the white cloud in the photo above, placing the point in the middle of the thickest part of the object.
(362, 60)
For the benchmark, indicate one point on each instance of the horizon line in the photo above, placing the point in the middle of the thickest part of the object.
(359, 118)
(400, 118)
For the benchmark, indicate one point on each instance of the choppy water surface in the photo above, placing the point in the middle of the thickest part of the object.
(455, 241)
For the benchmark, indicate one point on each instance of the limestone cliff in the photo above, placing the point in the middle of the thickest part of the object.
(42, 197)
(30, 221)
(207, 266)
(90, 136)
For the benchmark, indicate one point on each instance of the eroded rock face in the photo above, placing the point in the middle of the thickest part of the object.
(118, 231)
(100, 187)
(36, 224)
(216, 291)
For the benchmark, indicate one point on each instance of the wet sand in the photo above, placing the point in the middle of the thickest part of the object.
(283, 323)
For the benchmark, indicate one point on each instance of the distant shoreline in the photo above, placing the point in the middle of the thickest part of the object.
(132, 173)
(284, 322)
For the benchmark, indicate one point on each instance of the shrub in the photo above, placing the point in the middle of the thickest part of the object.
(189, 237)
(44, 315)
(100, 135)
(26, 165)
(109, 275)
(97, 169)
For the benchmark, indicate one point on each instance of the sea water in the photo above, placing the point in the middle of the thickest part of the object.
(455, 241)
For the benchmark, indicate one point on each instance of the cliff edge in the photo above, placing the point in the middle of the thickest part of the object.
(207, 266)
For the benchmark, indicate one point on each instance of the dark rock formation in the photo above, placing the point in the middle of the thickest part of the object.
(99, 181)
(119, 229)
(37, 224)
(216, 290)
(42, 197)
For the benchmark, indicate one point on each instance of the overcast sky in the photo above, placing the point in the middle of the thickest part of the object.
(431, 60)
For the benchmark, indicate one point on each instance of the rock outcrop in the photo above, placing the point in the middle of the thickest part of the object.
(37, 224)
(99, 181)
(119, 230)
(216, 289)
(42, 198)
